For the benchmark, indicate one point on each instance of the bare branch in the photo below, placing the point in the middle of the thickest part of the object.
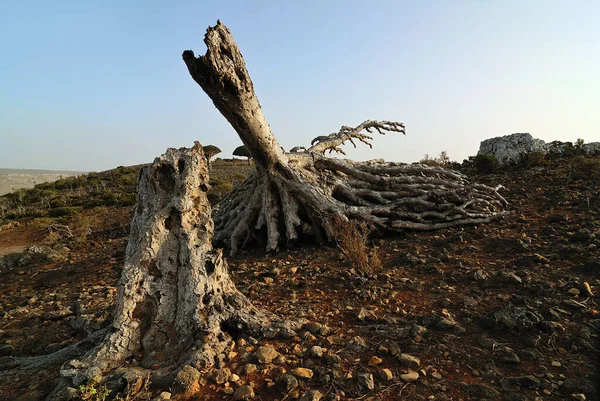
(332, 142)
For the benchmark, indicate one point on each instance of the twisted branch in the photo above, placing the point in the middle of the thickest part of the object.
(332, 142)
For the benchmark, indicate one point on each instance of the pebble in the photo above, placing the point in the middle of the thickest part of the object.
(436, 375)
(286, 383)
(375, 360)
(409, 360)
(315, 351)
(410, 376)
(244, 392)
(302, 373)
(311, 395)
(248, 368)
(385, 374)
(265, 354)
(366, 381)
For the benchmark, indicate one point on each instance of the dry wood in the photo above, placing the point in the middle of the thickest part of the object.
(301, 192)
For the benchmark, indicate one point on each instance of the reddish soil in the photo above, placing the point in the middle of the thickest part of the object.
(538, 259)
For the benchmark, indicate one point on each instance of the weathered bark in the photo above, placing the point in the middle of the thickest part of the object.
(176, 301)
(303, 191)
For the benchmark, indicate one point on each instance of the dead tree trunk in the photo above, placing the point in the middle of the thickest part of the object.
(304, 192)
(176, 301)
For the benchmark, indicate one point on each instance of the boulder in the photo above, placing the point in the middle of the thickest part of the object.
(507, 149)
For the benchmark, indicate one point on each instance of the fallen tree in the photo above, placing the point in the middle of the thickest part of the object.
(303, 192)
(176, 304)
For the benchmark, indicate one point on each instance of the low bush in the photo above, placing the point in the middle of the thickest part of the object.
(485, 163)
(533, 159)
(352, 239)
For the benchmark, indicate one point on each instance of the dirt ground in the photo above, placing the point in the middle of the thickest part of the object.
(507, 310)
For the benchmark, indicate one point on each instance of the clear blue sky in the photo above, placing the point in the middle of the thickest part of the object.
(90, 85)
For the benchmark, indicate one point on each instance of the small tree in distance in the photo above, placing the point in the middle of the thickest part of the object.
(210, 151)
(242, 152)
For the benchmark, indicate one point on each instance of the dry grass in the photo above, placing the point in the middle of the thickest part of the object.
(352, 239)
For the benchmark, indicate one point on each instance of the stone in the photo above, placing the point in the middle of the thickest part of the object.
(484, 391)
(365, 380)
(515, 383)
(436, 375)
(265, 354)
(409, 361)
(410, 376)
(248, 368)
(508, 356)
(244, 392)
(385, 374)
(586, 289)
(514, 317)
(302, 373)
(164, 396)
(507, 149)
(315, 351)
(186, 382)
(314, 327)
(220, 376)
(311, 395)
(375, 360)
(286, 383)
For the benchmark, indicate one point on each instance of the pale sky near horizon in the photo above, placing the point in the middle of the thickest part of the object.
(89, 86)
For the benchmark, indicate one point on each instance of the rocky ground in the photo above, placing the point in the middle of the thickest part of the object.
(503, 311)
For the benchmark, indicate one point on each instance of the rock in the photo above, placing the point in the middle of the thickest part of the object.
(286, 383)
(436, 375)
(586, 289)
(365, 380)
(220, 376)
(315, 351)
(248, 368)
(314, 327)
(574, 291)
(592, 148)
(515, 383)
(507, 355)
(366, 315)
(375, 360)
(410, 376)
(302, 373)
(578, 397)
(228, 390)
(244, 392)
(507, 149)
(332, 359)
(409, 361)
(265, 354)
(514, 318)
(385, 374)
(7, 350)
(186, 382)
(445, 324)
(482, 391)
(164, 396)
(311, 395)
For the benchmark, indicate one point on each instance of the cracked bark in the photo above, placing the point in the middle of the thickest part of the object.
(301, 193)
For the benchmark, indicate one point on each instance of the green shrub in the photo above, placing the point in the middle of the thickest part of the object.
(485, 163)
(532, 159)
(587, 167)
(65, 211)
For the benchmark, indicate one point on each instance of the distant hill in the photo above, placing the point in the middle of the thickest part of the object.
(13, 179)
